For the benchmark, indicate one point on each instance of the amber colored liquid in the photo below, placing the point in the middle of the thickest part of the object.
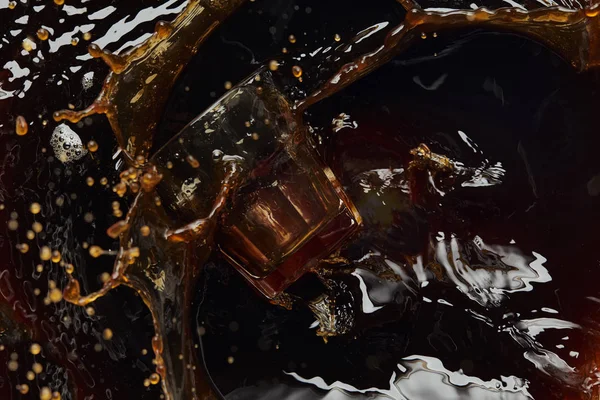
(284, 223)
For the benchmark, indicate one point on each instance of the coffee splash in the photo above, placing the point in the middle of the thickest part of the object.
(134, 95)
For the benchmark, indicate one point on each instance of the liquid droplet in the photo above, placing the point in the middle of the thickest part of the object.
(42, 34)
(21, 126)
(297, 71)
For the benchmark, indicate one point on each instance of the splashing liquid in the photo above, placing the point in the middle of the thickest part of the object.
(135, 92)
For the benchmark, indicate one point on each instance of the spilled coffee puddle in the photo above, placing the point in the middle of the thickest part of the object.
(220, 185)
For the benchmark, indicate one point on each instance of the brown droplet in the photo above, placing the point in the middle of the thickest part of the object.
(45, 253)
(104, 277)
(55, 295)
(120, 189)
(59, 2)
(88, 217)
(35, 349)
(13, 225)
(56, 256)
(92, 146)
(423, 35)
(90, 181)
(297, 71)
(23, 388)
(96, 251)
(13, 365)
(74, 41)
(45, 393)
(227, 85)
(21, 126)
(37, 368)
(292, 39)
(30, 235)
(37, 227)
(163, 29)
(12, 5)
(154, 378)
(103, 181)
(30, 375)
(87, 36)
(273, 65)
(35, 208)
(42, 34)
(146, 382)
(28, 44)
(90, 311)
(145, 230)
(69, 268)
(107, 334)
(192, 161)
(23, 247)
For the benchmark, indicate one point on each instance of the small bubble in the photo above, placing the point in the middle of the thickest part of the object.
(59, 2)
(144, 352)
(230, 360)
(146, 382)
(30, 375)
(23, 388)
(30, 235)
(103, 181)
(145, 230)
(87, 36)
(97, 347)
(12, 5)
(90, 311)
(423, 35)
(227, 85)
(23, 247)
(90, 181)
(74, 41)
(273, 65)
(292, 39)
(337, 37)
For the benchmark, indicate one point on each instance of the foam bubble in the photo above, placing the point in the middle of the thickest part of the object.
(67, 144)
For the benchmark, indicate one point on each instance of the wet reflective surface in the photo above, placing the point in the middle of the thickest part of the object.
(470, 156)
